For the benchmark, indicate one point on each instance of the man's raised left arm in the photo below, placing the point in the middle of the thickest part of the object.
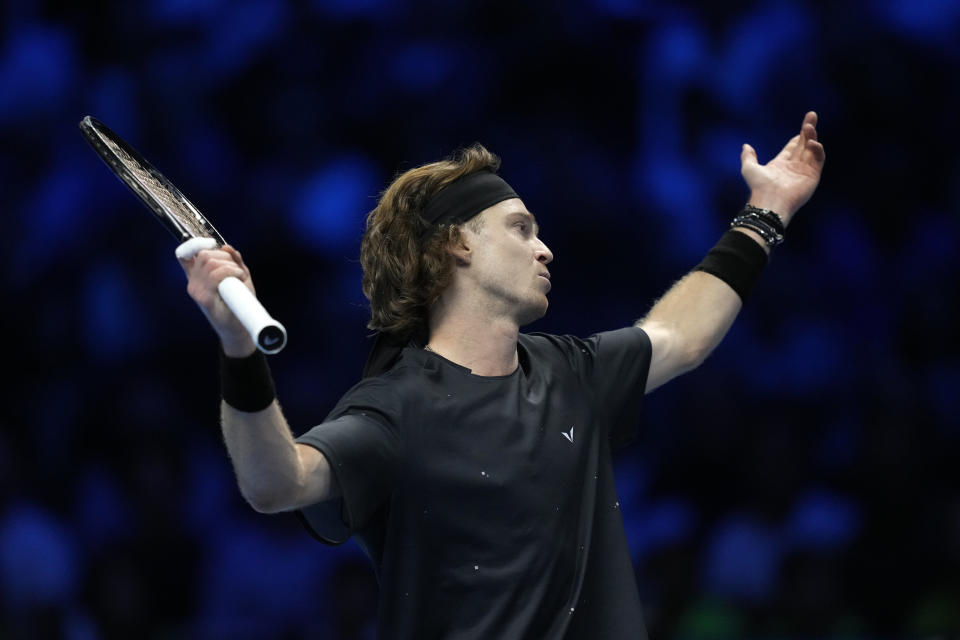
(690, 320)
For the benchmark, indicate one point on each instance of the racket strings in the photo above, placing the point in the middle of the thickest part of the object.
(163, 192)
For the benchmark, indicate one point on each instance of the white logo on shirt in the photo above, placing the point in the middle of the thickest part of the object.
(568, 436)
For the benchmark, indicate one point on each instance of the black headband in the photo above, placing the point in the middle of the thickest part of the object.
(466, 197)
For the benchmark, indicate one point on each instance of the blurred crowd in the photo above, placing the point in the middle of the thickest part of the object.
(801, 483)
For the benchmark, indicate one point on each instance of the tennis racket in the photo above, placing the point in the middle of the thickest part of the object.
(185, 222)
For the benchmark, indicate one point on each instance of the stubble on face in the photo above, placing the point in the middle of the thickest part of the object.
(507, 268)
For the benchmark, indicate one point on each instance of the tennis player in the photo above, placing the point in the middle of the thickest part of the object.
(473, 461)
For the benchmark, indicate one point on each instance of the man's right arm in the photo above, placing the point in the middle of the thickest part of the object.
(274, 472)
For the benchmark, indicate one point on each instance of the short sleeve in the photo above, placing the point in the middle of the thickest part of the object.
(618, 375)
(361, 442)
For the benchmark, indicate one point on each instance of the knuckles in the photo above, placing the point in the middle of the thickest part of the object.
(207, 269)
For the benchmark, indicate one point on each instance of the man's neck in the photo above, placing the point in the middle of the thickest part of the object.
(487, 346)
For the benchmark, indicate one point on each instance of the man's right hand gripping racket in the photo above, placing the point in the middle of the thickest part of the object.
(184, 221)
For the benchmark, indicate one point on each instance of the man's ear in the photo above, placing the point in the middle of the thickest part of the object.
(460, 249)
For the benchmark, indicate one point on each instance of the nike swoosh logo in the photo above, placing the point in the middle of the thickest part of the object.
(269, 341)
(568, 436)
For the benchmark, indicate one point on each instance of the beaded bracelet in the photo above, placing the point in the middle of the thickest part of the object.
(764, 221)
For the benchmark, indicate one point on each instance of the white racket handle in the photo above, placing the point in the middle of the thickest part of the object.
(267, 333)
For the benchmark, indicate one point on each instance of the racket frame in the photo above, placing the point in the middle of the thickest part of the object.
(99, 136)
(269, 335)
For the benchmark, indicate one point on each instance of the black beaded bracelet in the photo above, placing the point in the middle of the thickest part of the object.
(737, 260)
(246, 383)
(772, 238)
(764, 221)
(770, 217)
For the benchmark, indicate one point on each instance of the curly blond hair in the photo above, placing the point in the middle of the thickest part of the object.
(406, 265)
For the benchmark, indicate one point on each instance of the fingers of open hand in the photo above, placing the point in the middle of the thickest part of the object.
(811, 149)
(748, 159)
(816, 152)
(810, 146)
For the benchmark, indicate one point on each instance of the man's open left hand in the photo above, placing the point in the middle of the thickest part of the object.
(786, 182)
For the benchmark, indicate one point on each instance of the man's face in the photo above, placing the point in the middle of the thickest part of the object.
(507, 272)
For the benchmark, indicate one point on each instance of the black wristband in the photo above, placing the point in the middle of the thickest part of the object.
(737, 260)
(246, 383)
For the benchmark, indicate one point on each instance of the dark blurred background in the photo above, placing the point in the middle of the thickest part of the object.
(802, 482)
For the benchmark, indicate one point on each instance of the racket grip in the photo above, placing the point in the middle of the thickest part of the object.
(269, 334)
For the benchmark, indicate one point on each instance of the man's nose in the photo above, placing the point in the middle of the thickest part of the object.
(544, 254)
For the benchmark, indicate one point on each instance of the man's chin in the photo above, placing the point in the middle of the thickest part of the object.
(533, 313)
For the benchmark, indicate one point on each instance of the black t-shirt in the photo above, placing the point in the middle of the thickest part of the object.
(487, 504)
